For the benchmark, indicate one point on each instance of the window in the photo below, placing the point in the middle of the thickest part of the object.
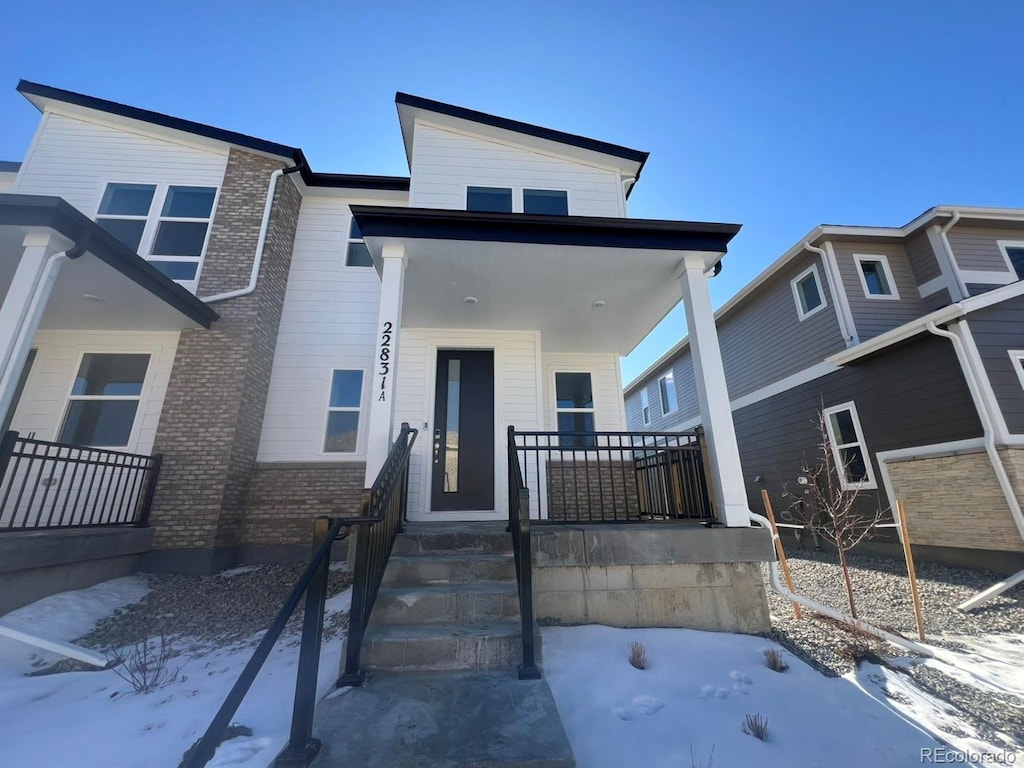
(876, 277)
(574, 408)
(181, 231)
(104, 400)
(343, 412)
(848, 448)
(1014, 253)
(1017, 361)
(645, 406)
(667, 390)
(807, 292)
(489, 199)
(124, 211)
(553, 202)
(357, 255)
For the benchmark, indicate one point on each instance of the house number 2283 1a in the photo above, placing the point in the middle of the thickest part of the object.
(384, 359)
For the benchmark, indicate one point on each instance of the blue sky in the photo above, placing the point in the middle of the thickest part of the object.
(775, 115)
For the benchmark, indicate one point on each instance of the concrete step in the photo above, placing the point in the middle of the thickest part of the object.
(452, 603)
(438, 647)
(418, 570)
(456, 720)
(466, 538)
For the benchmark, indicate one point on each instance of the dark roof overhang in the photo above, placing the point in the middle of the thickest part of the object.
(57, 214)
(443, 224)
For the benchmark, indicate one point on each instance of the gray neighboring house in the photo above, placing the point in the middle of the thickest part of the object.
(913, 340)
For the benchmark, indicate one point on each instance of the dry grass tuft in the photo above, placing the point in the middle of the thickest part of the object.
(756, 726)
(773, 659)
(638, 655)
(695, 762)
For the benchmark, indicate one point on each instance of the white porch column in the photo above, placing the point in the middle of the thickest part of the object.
(712, 395)
(24, 305)
(380, 427)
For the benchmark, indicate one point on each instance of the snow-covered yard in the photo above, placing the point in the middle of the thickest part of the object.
(690, 700)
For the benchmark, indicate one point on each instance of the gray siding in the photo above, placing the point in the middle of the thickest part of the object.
(975, 289)
(923, 262)
(996, 330)
(912, 394)
(765, 340)
(976, 247)
(876, 316)
(686, 396)
(937, 300)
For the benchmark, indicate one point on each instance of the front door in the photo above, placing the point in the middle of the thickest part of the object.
(463, 447)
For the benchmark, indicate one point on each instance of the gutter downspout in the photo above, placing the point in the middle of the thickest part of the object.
(845, 323)
(261, 243)
(943, 232)
(997, 465)
(778, 586)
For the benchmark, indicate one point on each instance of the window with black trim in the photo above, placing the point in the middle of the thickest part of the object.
(489, 199)
(550, 202)
(357, 254)
(104, 400)
(343, 409)
(849, 451)
(574, 408)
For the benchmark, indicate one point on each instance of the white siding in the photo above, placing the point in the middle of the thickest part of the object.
(605, 378)
(74, 159)
(444, 163)
(58, 355)
(327, 322)
(516, 363)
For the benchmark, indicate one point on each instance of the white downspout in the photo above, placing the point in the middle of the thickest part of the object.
(943, 232)
(260, 243)
(782, 589)
(849, 337)
(997, 464)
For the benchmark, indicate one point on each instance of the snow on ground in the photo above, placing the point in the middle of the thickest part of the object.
(696, 691)
(92, 719)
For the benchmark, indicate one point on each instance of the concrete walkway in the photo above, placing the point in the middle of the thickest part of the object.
(453, 719)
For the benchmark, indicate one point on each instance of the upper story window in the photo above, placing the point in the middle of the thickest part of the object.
(645, 406)
(849, 451)
(574, 408)
(553, 202)
(808, 293)
(1017, 361)
(104, 399)
(876, 277)
(1014, 253)
(667, 390)
(175, 241)
(489, 199)
(357, 254)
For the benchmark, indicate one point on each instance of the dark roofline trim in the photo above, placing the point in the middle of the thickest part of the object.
(9, 166)
(356, 181)
(537, 131)
(57, 214)
(441, 224)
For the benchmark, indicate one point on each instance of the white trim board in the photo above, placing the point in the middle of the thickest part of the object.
(880, 258)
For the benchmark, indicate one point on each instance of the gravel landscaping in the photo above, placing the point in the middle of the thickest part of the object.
(882, 596)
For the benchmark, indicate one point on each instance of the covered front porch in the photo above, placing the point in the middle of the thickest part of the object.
(491, 321)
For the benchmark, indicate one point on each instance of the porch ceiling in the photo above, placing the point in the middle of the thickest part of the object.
(587, 284)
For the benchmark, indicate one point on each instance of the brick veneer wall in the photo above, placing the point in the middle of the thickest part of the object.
(285, 498)
(955, 501)
(588, 491)
(213, 413)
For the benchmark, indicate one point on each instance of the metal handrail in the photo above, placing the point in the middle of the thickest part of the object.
(522, 550)
(302, 748)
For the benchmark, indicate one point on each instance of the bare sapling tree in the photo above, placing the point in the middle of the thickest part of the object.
(825, 499)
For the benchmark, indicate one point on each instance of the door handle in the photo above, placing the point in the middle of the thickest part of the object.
(437, 446)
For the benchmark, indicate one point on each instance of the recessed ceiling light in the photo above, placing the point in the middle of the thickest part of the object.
(471, 300)
(92, 297)
(598, 304)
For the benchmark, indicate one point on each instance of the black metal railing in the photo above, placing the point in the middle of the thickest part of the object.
(387, 498)
(597, 477)
(57, 485)
(522, 550)
(382, 511)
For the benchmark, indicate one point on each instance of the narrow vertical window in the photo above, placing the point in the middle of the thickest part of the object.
(357, 254)
(667, 390)
(645, 406)
(848, 447)
(104, 400)
(574, 409)
(343, 412)
(451, 431)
